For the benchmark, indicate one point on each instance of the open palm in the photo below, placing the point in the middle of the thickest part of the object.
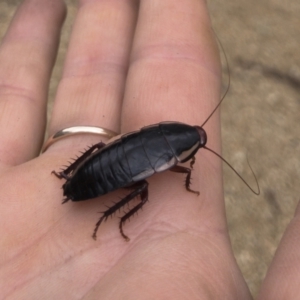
(129, 64)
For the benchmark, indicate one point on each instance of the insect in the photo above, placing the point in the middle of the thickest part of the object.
(129, 160)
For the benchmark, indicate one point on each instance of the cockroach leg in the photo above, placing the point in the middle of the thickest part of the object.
(193, 160)
(61, 175)
(141, 188)
(188, 171)
(65, 200)
(64, 174)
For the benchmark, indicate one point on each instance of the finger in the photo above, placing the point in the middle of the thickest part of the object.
(174, 64)
(282, 279)
(91, 89)
(175, 76)
(27, 55)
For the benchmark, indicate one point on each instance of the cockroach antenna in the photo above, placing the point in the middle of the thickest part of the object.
(228, 84)
(214, 110)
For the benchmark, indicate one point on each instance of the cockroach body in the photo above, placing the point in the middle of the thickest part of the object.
(128, 161)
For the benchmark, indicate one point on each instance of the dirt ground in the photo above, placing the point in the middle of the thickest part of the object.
(260, 119)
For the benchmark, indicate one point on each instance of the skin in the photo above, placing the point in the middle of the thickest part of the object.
(127, 66)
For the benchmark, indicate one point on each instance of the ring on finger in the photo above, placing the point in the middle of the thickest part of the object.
(75, 130)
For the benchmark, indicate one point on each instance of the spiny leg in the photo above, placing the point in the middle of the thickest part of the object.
(110, 211)
(140, 187)
(188, 171)
(193, 160)
(143, 191)
(64, 174)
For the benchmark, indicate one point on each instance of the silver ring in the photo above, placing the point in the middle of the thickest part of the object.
(77, 130)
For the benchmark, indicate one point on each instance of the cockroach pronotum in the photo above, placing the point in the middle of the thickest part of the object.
(129, 160)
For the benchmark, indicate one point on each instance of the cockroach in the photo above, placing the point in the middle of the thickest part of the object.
(127, 161)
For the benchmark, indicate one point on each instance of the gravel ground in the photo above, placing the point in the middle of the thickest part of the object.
(259, 118)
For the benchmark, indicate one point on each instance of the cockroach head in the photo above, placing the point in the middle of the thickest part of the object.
(202, 136)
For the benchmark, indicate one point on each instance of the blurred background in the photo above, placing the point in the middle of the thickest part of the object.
(260, 119)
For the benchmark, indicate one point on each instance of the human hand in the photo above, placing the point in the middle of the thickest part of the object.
(179, 246)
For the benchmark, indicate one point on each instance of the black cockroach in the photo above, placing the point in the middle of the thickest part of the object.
(129, 160)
